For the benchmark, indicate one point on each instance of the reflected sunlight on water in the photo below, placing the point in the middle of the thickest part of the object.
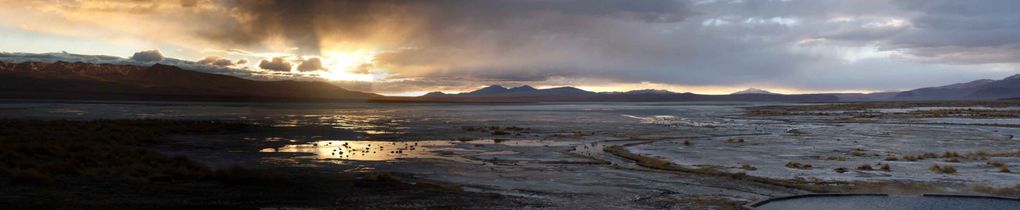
(395, 150)
(365, 150)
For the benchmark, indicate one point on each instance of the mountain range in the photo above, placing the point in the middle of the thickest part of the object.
(65, 80)
(528, 93)
(1008, 87)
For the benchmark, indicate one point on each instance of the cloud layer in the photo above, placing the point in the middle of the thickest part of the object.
(818, 45)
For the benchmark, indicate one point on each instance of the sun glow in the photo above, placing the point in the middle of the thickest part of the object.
(349, 66)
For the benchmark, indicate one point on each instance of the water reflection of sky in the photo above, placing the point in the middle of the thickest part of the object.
(366, 118)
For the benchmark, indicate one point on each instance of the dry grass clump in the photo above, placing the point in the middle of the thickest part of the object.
(942, 169)
(687, 142)
(865, 167)
(1002, 166)
(797, 165)
(840, 170)
(885, 167)
(858, 152)
(735, 140)
(953, 160)
(949, 154)
(500, 132)
(911, 158)
(995, 163)
(922, 156)
(748, 167)
(836, 158)
(891, 158)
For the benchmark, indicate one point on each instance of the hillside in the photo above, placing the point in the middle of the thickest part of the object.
(63, 80)
(1008, 87)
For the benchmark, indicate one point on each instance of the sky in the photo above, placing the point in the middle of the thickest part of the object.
(413, 47)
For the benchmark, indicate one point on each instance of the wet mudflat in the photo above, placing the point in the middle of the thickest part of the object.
(554, 155)
(892, 202)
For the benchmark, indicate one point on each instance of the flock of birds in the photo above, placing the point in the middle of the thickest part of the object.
(345, 150)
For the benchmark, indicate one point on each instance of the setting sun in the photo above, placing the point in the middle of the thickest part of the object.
(348, 66)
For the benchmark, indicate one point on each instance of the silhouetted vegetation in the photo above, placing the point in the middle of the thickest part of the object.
(942, 169)
(866, 109)
(103, 149)
(109, 164)
(797, 165)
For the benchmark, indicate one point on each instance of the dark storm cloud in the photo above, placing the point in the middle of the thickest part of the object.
(277, 64)
(802, 44)
(148, 56)
(312, 64)
(947, 31)
(304, 23)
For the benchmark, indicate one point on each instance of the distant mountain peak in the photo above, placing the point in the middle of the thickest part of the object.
(435, 93)
(649, 91)
(970, 84)
(752, 91)
(523, 88)
(1015, 76)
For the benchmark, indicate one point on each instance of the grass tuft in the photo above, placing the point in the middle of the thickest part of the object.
(943, 169)
(840, 170)
(748, 167)
(796, 165)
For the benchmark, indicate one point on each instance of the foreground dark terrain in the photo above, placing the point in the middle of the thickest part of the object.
(111, 164)
(711, 155)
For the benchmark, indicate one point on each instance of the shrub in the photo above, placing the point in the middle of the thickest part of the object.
(996, 163)
(949, 154)
(953, 160)
(500, 132)
(891, 158)
(687, 142)
(1004, 169)
(942, 169)
(836, 158)
(911, 158)
(840, 170)
(797, 165)
(748, 167)
(865, 167)
(858, 152)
